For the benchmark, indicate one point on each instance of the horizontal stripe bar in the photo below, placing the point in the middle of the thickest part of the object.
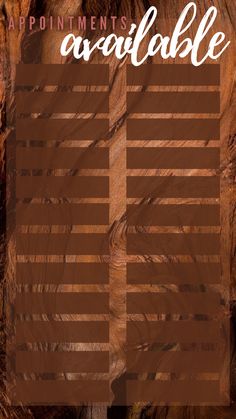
(62, 303)
(173, 158)
(61, 129)
(173, 215)
(58, 102)
(173, 129)
(61, 214)
(173, 102)
(62, 244)
(67, 362)
(173, 362)
(173, 303)
(62, 158)
(62, 273)
(62, 186)
(187, 391)
(169, 332)
(174, 273)
(173, 75)
(62, 74)
(173, 244)
(63, 392)
(173, 186)
(62, 331)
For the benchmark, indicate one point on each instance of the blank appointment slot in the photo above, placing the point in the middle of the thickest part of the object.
(178, 362)
(173, 129)
(62, 214)
(67, 362)
(173, 158)
(62, 331)
(173, 75)
(62, 74)
(62, 158)
(173, 244)
(173, 102)
(62, 303)
(51, 102)
(173, 273)
(62, 244)
(173, 303)
(39, 129)
(173, 186)
(184, 391)
(63, 392)
(62, 273)
(170, 332)
(62, 186)
(173, 215)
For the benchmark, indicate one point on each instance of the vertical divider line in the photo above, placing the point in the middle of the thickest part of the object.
(117, 236)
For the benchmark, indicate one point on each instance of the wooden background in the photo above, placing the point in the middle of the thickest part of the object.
(44, 47)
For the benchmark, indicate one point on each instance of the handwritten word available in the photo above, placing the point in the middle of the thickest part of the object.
(168, 47)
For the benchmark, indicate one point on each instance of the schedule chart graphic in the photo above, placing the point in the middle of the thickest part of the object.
(62, 346)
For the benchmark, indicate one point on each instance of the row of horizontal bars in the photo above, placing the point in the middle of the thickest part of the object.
(98, 187)
(137, 129)
(137, 273)
(98, 158)
(138, 332)
(98, 214)
(98, 361)
(95, 74)
(137, 102)
(63, 158)
(137, 303)
(69, 392)
(137, 244)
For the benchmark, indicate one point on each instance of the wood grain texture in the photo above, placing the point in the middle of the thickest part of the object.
(43, 47)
